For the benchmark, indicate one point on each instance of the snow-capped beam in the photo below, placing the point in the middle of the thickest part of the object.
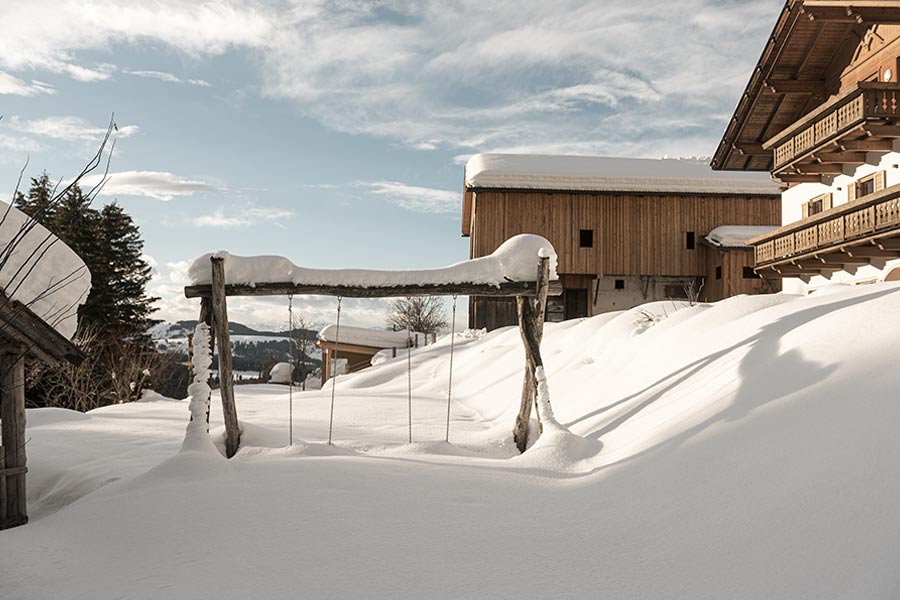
(520, 288)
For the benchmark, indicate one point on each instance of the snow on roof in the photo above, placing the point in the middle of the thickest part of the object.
(360, 336)
(610, 174)
(736, 236)
(40, 271)
(514, 260)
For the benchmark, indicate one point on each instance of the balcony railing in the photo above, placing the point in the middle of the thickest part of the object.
(843, 116)
(821, 243)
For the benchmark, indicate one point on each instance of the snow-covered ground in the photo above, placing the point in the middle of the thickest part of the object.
(742, 450)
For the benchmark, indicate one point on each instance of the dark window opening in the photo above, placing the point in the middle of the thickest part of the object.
(816, 206)
(689, 239)
(620, 284)
(865, 187)
(749, 273)
(586, 238)
(719, 272)
(676, 292)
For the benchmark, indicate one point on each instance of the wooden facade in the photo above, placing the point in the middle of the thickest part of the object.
(824, 102)
(649, 237)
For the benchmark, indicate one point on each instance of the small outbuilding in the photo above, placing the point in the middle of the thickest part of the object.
(357, 346)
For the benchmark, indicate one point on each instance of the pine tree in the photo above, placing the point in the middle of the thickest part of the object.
(38, 203)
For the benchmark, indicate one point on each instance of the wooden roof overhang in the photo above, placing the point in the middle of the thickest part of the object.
(798, 69)
(847, 236)
(21, 328)
(346, 347)
(511, 288)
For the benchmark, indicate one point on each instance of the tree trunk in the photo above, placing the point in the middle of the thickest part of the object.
(12, 389)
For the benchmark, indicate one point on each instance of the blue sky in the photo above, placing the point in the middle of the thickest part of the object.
(335, 132)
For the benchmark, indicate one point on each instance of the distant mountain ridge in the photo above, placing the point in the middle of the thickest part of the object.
(186, 327)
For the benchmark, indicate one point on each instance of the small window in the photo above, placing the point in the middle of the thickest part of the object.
(620, 284)
(586, 238)
(690, 242)
(719, 272)
(865, 186)
(749, 273)
(818, 204)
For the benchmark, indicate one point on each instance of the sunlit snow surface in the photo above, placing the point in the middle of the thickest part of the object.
(746, 450)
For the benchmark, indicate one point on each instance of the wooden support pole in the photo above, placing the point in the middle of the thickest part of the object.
(12, 414)
(226, 378)
(531, 327)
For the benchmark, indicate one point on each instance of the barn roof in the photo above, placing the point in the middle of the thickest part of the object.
(361, 336)
(609, 174)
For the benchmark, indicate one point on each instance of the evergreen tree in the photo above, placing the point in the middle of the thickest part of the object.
(38, 204)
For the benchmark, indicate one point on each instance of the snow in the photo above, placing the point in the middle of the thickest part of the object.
(40, 271)
(281, 373)
(608, 174)
(195, 437)
(745, 449)
(371, 338)
(736, 236)
(514, 260)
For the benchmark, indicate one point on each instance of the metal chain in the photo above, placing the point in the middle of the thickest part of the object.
(409, 375)
(291, 381)
(450, 377)
(337, 334)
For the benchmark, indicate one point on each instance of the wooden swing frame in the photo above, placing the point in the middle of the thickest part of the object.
(531, 301)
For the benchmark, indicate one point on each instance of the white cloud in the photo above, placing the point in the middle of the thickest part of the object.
(66, 128)
(160, 185)
(167, 77)
(415, 198)
(14, 86)
(243, 217)
(604, 77)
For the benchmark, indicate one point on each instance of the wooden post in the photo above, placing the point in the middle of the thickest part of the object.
(531, 327)
(226, 378)
(2, 488)
(12, 413)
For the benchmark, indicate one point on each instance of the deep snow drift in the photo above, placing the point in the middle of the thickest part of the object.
(740, 450)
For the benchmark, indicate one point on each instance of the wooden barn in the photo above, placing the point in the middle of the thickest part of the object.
(821, 114)
(354, 347)
(627, 231)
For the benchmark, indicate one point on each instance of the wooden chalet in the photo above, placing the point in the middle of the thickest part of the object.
(24, 337)
(820, 113)
(627, 231)
(357, 346)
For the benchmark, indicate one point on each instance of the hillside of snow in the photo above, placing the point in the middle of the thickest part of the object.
(740, 450)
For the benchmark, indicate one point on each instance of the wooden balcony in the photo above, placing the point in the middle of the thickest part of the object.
(862, 232)
(839, 132)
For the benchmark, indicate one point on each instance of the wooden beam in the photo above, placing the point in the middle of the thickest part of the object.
(748, 149)
(40, 339)
(226, 377)
(819, 169)
(794, 86)
(818, 265)
(883, 131)
(12, 434)
(843, 158)
(870, 252)
(892, 244)
(531, 328)
(857, 11)
(791, 178)
(867, 145)
(521, 288)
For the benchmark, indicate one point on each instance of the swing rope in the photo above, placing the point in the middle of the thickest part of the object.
(291, 382)
(409, 375)
(337, 333)
(450, 376)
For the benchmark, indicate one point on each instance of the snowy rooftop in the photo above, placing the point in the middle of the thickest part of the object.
(736, 236)
(360, 336)
(608, 174)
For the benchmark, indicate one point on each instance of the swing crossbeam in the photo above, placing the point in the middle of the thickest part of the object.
(509, 289)
(531, 300)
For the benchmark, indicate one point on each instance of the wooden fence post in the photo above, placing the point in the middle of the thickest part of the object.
(12, 413)
(226, 379)
(531, 327)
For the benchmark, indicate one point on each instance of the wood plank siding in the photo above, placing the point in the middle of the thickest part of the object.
(634, 234)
